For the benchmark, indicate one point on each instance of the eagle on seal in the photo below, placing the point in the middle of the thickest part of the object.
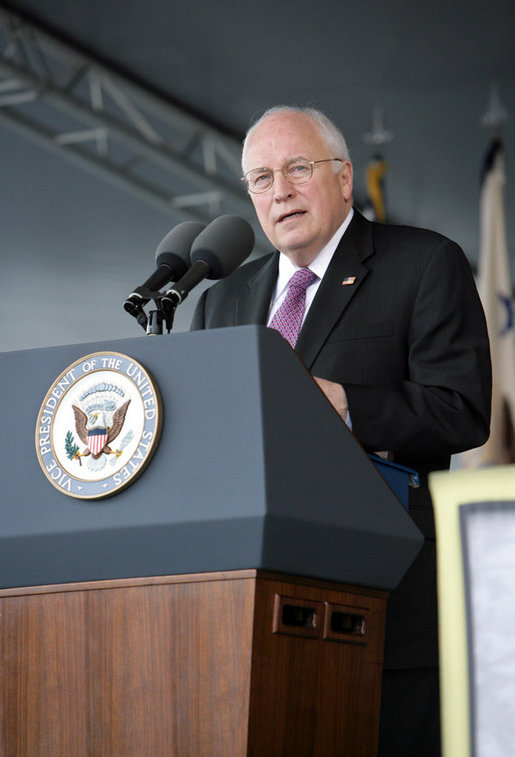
(95, 433)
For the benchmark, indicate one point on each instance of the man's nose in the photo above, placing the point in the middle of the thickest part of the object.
(282, 188)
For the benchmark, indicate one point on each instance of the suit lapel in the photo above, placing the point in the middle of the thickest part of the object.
(253, 305)
(344, 276)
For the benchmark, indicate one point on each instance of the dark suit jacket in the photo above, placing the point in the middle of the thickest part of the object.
(408, 341)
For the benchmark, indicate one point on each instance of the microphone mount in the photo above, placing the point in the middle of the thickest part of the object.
(151, 323)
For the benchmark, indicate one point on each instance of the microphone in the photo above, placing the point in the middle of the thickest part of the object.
(215, 253)
(172, 262)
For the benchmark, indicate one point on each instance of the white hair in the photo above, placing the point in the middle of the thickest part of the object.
(331, 135)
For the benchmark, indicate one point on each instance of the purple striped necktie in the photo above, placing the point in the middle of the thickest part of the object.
(288, 319)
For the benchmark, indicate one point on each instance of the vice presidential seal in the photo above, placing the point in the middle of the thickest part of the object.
(98, 426)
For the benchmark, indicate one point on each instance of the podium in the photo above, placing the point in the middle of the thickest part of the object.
(228, 602)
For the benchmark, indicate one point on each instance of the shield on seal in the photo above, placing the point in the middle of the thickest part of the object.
(97, 438)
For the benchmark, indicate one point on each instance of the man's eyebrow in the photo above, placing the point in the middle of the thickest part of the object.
(288, 160)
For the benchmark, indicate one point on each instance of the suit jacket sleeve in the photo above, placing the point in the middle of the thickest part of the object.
(442, 403)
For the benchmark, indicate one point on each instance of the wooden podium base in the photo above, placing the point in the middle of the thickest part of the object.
(243, 663)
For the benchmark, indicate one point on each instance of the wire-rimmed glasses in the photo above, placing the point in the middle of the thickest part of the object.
(296, 171)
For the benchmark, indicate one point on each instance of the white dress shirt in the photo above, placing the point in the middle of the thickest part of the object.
(319, 266)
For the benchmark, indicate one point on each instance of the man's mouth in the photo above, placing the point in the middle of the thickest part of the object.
(293, 214)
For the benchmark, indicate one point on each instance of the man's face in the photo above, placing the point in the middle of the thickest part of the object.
(298, 219)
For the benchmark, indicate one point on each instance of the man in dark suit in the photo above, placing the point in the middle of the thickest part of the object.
(394, 334)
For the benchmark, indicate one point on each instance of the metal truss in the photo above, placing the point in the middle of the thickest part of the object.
(76, 107)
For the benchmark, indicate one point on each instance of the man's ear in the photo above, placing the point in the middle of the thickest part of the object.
(346, 178)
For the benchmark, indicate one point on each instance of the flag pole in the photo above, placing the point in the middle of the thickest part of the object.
(377, 167)
(496, 114)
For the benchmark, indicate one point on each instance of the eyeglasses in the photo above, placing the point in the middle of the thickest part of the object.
(296, 171)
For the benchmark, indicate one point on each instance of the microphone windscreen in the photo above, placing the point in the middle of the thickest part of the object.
(174, 249)
(224, 244)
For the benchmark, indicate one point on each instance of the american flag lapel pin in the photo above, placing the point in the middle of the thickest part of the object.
(348, 281)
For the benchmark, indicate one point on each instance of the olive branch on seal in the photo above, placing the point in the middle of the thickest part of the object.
(71, 448)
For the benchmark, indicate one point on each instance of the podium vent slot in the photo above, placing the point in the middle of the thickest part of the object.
(347, 624)
(297, 617)
(344, 622)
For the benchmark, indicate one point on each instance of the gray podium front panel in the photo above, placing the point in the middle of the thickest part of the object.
(254, 470)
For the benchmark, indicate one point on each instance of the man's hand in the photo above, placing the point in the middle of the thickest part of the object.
(335, 393)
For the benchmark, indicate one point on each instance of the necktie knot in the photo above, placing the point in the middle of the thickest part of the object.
(301, 279)
(288, 319)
